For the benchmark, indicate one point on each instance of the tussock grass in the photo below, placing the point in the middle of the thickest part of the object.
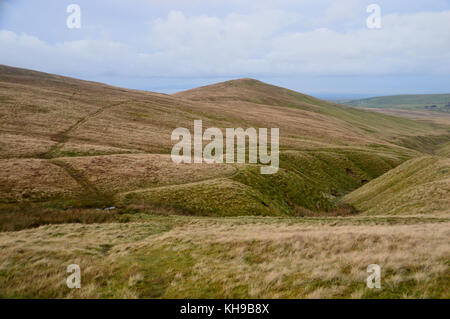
(130, 172)
(168, 257)
(18, 217)
(34, 179)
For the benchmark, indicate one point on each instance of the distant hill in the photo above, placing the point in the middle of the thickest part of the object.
(67, 143)
(402, 101)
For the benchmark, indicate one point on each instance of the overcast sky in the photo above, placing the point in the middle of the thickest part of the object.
(320, 47)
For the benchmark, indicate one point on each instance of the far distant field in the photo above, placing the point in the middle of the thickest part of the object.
(401, 101)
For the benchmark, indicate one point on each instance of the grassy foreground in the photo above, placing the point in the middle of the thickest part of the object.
(251, 257)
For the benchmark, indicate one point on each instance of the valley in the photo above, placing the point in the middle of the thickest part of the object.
(86, 177)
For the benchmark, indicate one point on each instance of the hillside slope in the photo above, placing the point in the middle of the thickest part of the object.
(341, 123)
(67, 144)
(418, 186)
(257, 92)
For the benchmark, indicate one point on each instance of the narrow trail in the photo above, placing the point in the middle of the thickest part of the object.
(92, 191)
(142, 190)
(77, 176)
(63, 136)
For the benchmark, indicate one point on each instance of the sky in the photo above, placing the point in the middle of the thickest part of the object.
(319, 47)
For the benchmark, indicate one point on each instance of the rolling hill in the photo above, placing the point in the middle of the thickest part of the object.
(86, 177)
(72, 144)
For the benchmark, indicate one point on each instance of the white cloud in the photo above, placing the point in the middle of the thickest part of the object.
(343, 9)
(415, 43)
(260, 43)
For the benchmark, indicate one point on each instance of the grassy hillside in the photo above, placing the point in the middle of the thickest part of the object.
(86, 177)
(68, 144)
(444, 150)
(402, 101)
(419, 186)
(252, 96)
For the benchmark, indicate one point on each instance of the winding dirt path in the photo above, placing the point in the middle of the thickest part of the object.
(63, 136)
(141, 190)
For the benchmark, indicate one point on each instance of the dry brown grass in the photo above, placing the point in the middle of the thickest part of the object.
(256, 258)
(85, 149)
(34, 179)
(119, 173)
(18, 217)
(301, 113)
(419, 115)
(34, 105)
(16, 145)
(341, 210)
